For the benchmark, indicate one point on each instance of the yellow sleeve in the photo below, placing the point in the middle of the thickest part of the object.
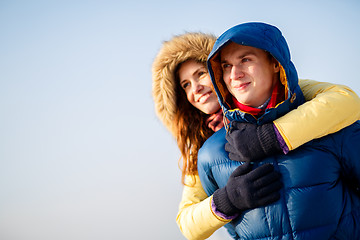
(328, 108)
(195, 218)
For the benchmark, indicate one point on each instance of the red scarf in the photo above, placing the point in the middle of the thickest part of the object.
(277, 96)
(215, 121)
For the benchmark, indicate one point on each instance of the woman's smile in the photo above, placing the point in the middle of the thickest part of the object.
(203, 98)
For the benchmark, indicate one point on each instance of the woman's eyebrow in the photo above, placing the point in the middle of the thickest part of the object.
(199, 70)
(194, 73)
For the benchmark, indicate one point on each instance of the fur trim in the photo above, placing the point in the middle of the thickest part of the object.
(196, 46)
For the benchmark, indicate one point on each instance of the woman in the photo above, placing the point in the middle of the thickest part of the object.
(180, 104)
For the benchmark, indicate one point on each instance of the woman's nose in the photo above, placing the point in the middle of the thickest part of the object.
(197, 87)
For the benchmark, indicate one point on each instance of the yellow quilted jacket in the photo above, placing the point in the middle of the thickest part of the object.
(332, 107)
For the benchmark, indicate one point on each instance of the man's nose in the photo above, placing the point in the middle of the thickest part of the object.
(236, 72)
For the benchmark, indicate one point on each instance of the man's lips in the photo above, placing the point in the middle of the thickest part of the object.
(203, 98)
(241, 86)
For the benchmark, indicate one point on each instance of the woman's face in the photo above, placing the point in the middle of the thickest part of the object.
(195, 80)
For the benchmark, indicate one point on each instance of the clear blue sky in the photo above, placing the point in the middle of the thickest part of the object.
(82, 154)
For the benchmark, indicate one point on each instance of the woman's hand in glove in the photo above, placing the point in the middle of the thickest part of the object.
(251, 142)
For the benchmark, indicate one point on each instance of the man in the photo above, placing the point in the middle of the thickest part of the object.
(256, 83)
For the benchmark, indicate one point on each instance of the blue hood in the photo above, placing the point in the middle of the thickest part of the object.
(270, 39)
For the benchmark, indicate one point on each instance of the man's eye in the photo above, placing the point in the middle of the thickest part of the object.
(224, 66)
(245, 60)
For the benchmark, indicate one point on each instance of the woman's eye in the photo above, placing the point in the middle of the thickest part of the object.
(202, 74)
(185, 85)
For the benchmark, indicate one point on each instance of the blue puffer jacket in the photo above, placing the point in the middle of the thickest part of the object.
(317, 199)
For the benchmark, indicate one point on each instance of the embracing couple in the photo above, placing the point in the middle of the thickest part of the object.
(265, 154)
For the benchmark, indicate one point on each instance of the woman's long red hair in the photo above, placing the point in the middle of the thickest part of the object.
(191, 132)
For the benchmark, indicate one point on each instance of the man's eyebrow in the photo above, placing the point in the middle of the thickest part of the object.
(249, 52)
(222, 61)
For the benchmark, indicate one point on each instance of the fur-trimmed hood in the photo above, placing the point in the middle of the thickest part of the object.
(180, 48)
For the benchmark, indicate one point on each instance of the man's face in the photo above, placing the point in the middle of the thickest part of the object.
(248, 73)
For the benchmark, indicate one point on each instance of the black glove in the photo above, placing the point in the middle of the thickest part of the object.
(247, 189)
(251, 142)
